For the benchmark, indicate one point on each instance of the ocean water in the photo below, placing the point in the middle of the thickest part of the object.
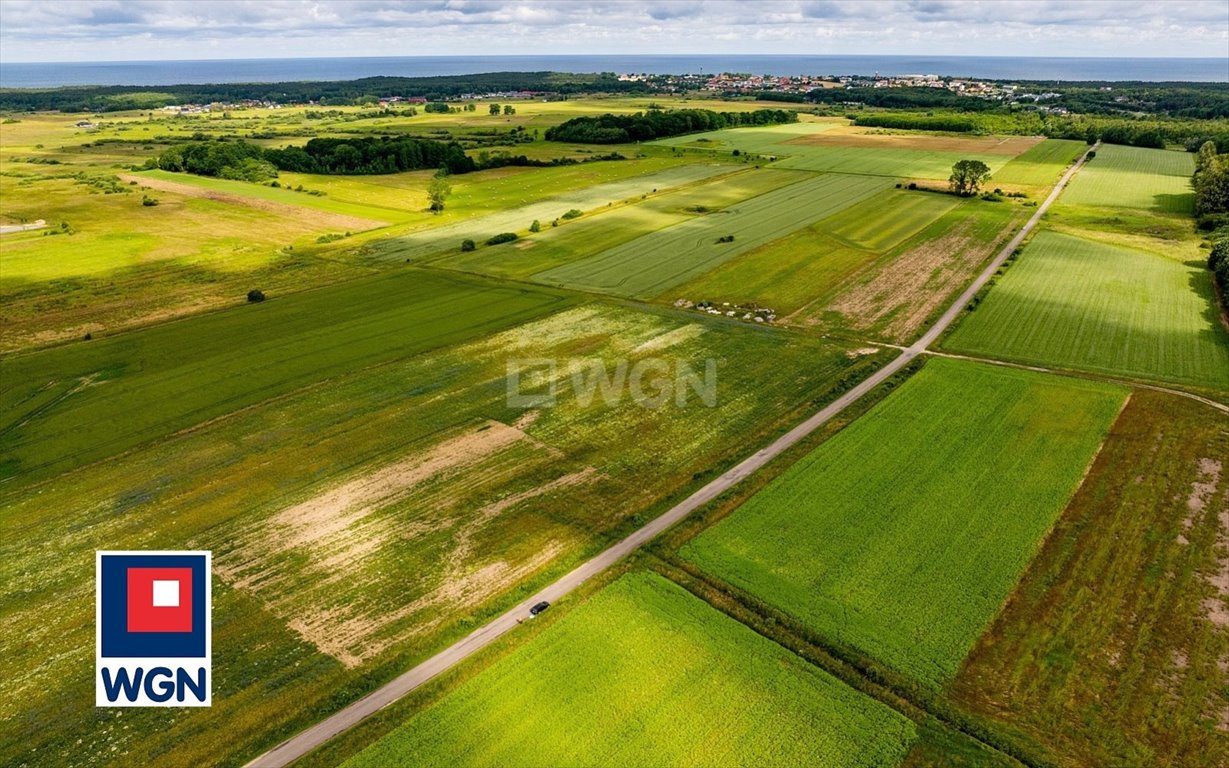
(153, 73)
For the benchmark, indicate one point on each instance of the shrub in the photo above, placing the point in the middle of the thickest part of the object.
(468, 245)
(572, 214)
(255, 296)
(502, 237)
(536, 226)
(148, 201)
(726, 239)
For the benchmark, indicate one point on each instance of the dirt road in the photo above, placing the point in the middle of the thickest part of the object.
(347, 718)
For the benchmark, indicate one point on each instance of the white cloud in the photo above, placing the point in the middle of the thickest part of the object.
(77, 30)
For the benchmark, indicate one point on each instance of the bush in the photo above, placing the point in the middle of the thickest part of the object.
(255, 296)
(572, 214)
(726, 239)
(502, 237)
(536, 226)
(148, 201)
(468, 245)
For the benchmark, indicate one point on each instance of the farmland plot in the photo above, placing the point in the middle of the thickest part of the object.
(650, 264)
(590, 235)
(67, 406)
(1135, 177)
(1122, 623)
(417, 246)
(1040, 165)
(646, 674)
(358, 526)
(815, 262)
(902, 535)
(1086, 305)
(893, 298)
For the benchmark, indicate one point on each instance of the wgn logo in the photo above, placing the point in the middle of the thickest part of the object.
(152, 629)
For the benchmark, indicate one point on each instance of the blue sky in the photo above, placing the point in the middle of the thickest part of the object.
(110, 30)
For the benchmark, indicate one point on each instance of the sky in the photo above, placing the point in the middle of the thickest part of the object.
(128, 30)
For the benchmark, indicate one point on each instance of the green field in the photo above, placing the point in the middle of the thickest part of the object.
(589, 235)
(903, 534)
(1081, 304)
(646, 674)
(363, 523)
(1040, 165)
(1133, 177)
(817, 261)
(1120, 625)
(872, 161)
(67, 406)
(650, 264)
(420, 245)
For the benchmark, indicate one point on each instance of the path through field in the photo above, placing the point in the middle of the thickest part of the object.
(315, 736)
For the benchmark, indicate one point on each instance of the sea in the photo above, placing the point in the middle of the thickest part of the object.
(154, 73)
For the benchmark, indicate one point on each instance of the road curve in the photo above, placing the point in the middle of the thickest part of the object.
(299, 745)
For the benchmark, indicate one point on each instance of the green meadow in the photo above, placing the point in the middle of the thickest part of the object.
(902, 535)
(1077, 303)
(644, 673)
(70, 405)
(1040, 165)
(652, 263)
(1134, 177)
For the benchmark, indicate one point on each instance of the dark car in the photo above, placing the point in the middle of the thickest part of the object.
(542, 606)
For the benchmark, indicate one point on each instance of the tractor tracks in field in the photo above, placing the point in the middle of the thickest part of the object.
(350, 716)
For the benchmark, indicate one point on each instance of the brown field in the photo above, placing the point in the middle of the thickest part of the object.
(1115, 648)
(860, 137)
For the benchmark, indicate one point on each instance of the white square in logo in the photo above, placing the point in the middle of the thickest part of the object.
(166, 594)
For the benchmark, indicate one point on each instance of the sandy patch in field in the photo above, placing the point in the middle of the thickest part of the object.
(1217, 606)
(671, 338)
(335, 539)
(989, 145)
(321, 219)
(914, 284)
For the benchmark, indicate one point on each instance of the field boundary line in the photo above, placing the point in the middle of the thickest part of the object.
(351, 715)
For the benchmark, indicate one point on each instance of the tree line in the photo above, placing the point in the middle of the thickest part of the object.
(1211, 182)
(658, 124)
(358, 156)
(113, 98)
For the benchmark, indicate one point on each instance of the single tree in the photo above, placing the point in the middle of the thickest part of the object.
(509, 109)
(494, 109)
(468, 245)
(536, 226)
(968, 176)
(255, 296)
(438, 191)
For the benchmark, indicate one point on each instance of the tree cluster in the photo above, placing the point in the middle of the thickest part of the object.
(968, 176)
(658, 124)
(1211, 181)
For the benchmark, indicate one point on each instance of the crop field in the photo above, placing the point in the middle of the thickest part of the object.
(646, 674)
(650, 264)
(361, 523)
(417, 246)
(1134, 177)
(71, 405)
(816, 262)
(1121, 625)
(1040, 165)
(895, 295)
(829, 147)
(1086, 305)
(902, 535)
(590, 235)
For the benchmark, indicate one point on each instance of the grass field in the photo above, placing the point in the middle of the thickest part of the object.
(71, 405)
(1081, 304)
(646, 674)
(650, 264)
(420, 245)
(590, 235)
(817, 261)
(893, 297)
(363, 523)
(1133, 177)
(1113, 650)
(903, 534)
(1040, 165)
